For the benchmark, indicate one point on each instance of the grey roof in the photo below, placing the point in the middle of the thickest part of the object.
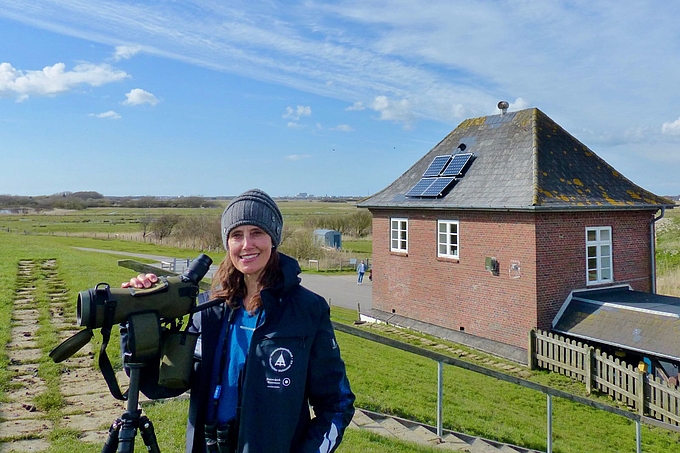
(618, 316)
(523, 160)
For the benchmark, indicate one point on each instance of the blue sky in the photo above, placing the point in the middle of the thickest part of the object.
(214, 97)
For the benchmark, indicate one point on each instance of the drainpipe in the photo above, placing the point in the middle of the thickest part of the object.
(652, 229)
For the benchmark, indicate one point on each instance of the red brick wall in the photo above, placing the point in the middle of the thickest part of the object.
(561, 258)
(550, 251)
(459, 293)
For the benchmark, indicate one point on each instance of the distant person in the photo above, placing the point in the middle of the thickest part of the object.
(361, 269)
(267, 353)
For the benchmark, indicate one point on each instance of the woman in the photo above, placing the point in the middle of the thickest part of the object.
(268, 353)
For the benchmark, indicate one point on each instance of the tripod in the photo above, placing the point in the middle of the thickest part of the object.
(123, 431)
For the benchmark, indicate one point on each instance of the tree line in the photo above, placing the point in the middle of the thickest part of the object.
(84, 200)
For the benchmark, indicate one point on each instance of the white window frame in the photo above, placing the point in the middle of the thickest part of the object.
(448, 240)
(399, 235)
(599, 256)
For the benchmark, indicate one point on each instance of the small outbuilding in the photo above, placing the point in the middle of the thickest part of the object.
(328, 238)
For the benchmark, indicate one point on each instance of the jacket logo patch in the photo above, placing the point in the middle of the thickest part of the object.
(280, 360)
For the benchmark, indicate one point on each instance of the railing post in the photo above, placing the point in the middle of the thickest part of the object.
(531, 349)
(549, 416)
(440, 399)
(640, 390)
(589, 370)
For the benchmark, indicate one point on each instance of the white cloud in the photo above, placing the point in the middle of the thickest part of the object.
(672, 128)
(519, 104)
(357, 106)
(137, 96)
(54, 80)
(126, 52)
(294, 125)
(106, 115)
(399, 111)
(343, 128)
(296, 157)
(298, 112)
(458, 111)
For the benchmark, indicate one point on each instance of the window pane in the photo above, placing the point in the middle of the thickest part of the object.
(605, 261)
(592, 263)
(592, 251)
(592, 276)
(606, 274)
(604, 234)
(592, 235)
(605, 250)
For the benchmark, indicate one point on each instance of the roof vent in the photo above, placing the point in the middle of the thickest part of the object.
(503, 107)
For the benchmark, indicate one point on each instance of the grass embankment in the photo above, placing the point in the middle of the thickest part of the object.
(668, 254)
(384, 379)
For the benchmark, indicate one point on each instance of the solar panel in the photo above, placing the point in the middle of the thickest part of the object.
(437, 165)
(437, 187)
(457, 164)
(420, 187)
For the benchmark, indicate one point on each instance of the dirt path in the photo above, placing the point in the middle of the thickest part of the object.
(89, 408)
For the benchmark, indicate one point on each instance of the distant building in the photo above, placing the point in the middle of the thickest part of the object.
(328, 238)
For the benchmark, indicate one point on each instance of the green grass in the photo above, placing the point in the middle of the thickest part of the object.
(668, 243)
(364, 247)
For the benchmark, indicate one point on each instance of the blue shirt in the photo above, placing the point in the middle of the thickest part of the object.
(240, 332)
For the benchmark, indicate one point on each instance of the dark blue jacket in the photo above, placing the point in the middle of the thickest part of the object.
(293, 363)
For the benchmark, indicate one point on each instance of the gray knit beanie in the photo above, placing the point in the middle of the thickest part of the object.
(253, 207)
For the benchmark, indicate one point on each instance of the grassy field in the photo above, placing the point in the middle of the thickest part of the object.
(385, 380)
(111, 221)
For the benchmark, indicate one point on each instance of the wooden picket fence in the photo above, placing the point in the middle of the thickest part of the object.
(601, 372)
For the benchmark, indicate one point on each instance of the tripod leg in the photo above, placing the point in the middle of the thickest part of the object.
(148, 435)
(111, 444)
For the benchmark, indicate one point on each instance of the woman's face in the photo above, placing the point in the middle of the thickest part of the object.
(249, 249)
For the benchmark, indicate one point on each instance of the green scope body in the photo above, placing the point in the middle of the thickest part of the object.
(171, 297)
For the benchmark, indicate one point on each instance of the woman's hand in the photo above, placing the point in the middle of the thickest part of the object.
(141, 281)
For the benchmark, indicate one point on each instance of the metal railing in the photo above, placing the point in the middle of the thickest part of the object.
(550, 392)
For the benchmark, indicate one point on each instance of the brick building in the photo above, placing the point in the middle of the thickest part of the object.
(490, 232)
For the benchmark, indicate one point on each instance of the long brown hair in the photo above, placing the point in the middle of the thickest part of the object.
(229, 283)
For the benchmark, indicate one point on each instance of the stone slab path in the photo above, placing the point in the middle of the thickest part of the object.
(42, 304)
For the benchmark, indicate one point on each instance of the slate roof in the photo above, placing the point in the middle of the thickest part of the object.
(524, 161)
(618, 316)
